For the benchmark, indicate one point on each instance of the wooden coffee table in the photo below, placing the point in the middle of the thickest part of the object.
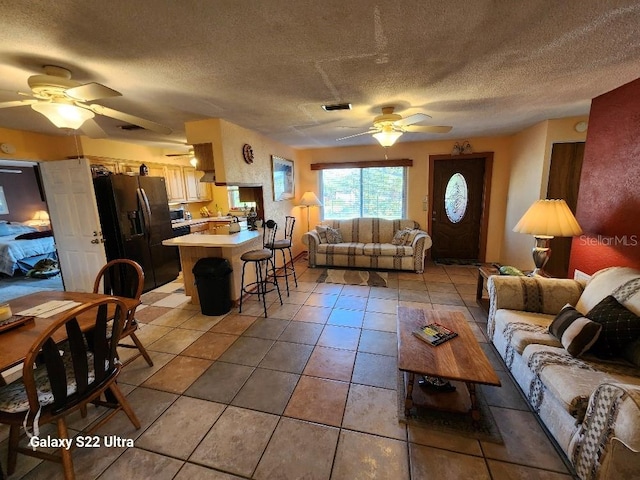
(460, 359)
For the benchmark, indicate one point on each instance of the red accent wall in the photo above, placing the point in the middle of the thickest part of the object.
(608, 207)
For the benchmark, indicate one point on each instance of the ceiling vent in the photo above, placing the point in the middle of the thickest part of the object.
(337, 106)
(131, 127)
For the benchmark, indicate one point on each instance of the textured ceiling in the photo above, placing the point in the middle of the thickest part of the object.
(484, 67)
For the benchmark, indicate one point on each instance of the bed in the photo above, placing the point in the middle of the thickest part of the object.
(23, 247)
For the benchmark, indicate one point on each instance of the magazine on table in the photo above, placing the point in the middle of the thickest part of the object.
(434, 334)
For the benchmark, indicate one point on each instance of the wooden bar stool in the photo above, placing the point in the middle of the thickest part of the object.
(282, 245)
(262, 259)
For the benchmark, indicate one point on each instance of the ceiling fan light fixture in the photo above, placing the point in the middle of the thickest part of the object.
(193, 161)
(63, 115)
(387, 137)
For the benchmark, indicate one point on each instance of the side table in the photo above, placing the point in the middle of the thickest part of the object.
(484, 272)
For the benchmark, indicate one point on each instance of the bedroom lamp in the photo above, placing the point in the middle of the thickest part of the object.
(40, 219)
(63, 114)
(309, 199)
(544, 220)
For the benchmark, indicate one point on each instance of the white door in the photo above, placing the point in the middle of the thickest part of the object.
(74, 218)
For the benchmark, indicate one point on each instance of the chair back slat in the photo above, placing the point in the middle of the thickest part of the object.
(269, 233)
(288, 226)
(77, 349)
(121, 277)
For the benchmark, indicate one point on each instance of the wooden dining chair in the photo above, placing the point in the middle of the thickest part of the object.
(61, 376)
(124, 278)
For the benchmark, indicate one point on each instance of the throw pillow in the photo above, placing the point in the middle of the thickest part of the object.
(632, 352)
(333, 235)
(620, 327)
(412, 233)
(400, 236)
(322, 233)
(576, 333)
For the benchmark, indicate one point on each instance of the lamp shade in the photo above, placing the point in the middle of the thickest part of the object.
(41, 215)
(387, 136)
(309, 199)
(549, 218)
(63, 115)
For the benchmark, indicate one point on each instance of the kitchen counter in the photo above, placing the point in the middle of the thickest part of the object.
(195, 246)
(197, 221)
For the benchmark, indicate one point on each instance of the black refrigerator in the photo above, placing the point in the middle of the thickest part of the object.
(134, 214)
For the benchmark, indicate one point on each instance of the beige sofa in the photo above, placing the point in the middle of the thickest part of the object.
(366, 243)
(591, 406)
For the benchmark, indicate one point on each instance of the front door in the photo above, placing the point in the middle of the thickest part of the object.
(457, 206)
(74, 219)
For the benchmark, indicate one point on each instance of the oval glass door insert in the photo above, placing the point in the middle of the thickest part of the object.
(456, 198)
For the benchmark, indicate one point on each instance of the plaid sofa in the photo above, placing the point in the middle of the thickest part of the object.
(590, 406)
(367, 244)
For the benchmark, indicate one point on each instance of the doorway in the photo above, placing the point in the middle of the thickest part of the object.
(459, 206)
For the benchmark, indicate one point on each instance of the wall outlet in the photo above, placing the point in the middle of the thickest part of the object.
(581, 276)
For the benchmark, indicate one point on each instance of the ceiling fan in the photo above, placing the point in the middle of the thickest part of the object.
(191, 154)
(389, 126)
(62, 100)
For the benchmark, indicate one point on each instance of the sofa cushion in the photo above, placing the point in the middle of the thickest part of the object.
(621, 282)
(322, 233)
(399, 237)
(342, 248)
(524, 328)
(631, 352)
(386, 249)
(333, 235)
(576, 333)
(620, 327)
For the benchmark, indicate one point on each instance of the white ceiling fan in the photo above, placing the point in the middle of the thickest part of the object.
(62, 100)
(389, 126)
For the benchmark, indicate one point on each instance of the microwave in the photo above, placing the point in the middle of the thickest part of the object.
(177, 214)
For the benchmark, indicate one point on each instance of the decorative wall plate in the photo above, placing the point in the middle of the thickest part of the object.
(247, 153)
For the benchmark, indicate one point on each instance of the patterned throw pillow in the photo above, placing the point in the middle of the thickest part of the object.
(322, 233)
(333, 235)
(400, 236)
(620, 327)
(411, 236)
(576, 333)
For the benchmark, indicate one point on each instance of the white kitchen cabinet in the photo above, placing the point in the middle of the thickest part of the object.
(191, 184)
(175, 184)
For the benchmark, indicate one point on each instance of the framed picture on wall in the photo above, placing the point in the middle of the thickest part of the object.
(283, 178)
(4, 208)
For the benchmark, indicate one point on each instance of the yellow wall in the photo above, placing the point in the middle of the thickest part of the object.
(418, 178)
(36, 146)
(527, 182)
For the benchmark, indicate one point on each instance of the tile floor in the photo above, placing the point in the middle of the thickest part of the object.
(308, 392)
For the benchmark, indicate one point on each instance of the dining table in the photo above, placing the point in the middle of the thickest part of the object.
(16, 342)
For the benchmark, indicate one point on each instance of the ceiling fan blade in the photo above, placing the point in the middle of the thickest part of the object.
(17, 103)
(91, 91)
(411, 119)
(428, 128)
(369, 132)
(125, 117)
(92, 130)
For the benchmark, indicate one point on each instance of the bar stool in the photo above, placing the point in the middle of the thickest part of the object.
(285, 244)
(261, 259)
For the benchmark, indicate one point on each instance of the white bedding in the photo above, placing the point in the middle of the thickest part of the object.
(13, 251)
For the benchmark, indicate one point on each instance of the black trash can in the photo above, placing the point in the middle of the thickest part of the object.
(212, 276)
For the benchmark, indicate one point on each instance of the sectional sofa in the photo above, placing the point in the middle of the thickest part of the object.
(590, 404)
(368, 243)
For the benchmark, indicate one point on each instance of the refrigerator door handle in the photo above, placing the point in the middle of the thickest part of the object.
(146, 210)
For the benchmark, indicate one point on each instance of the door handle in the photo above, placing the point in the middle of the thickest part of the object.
(95, 241)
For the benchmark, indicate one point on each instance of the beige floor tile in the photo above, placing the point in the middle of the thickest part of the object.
(149, 314)
(138, 371)
(318, 400)
(434, 463)
(369, 457)
(175, 341)
(148, 333)
(202, 322)
(254, 309)
(417, 284)
(355, 291)
(306, 286)
(267, 391)
(328, 288)
(331, 363)
(463, 279)
(382, 305)
(177, 375)
(236, 441)
(346, 318)
(314, 447)
(509, 471)
(285, 312)
(173, 318)
(142, 465)
(420, 296)
(311, 314)
(440, 298)
(525, 442)
(434, 287)
(373, 410)
(296, 297)
(321, 300)
(351, 303)
(437, 278)
(189, 471)
(382, 292)
(336, 336)
(466, 289)
(180, 429)
(210, 345)
(233, 324)
(410, 276)
(448, 441)
(386, 322)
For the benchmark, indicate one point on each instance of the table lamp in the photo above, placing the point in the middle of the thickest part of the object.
(309, 199)
(544, 220)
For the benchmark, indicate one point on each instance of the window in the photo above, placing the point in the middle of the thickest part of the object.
(364, 192)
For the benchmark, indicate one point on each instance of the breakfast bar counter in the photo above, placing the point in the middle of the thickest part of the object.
(193, 247)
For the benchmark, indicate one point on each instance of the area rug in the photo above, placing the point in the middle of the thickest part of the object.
(457, 261)
(455, 423)
(354, 277)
